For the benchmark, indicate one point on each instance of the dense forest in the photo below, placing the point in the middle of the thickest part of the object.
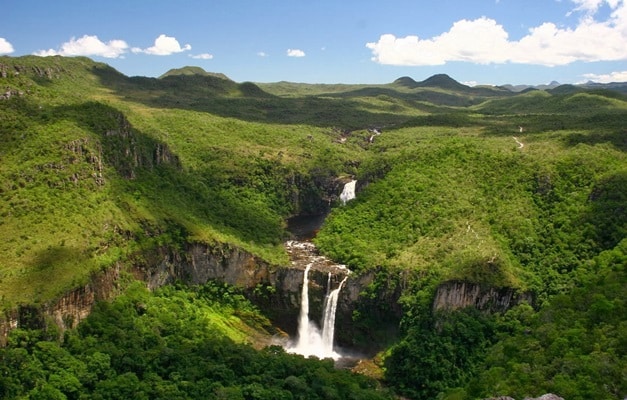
(524, 192)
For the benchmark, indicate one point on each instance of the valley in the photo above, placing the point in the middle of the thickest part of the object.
(145, 223)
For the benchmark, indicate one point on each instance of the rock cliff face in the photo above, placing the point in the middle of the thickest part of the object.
(548, 396)
(127, 150)
(199, 263)
(455, 294)
(67, 311)
(274, 288)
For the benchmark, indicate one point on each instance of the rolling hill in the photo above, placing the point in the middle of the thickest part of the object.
(523, 195)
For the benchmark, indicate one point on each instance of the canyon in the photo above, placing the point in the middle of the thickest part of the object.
(277, 290)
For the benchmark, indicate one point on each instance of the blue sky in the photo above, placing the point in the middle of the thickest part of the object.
(333, 41)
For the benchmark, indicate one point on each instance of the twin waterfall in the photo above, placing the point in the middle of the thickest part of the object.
(312, 340)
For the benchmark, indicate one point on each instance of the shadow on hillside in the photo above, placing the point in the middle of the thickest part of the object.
(607, 210)
(432, 97)
(151, 179)
(246, 101)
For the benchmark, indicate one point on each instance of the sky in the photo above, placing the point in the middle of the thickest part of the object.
(492, 42)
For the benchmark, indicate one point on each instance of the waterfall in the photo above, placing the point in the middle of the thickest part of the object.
(348, 193)
(303, 319)
(311, 342)
(328, 321)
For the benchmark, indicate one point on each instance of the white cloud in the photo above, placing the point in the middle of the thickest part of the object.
(295, 53)
(203, 56)
(5, 46)
(617, 76)
(262, 54)
(88, 46)
(592, 6)
(164, 46)
(484, 41)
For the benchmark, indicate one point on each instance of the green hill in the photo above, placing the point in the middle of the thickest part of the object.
(190, 70)
(97, 169)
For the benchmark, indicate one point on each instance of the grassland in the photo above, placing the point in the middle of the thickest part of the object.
(97, 167)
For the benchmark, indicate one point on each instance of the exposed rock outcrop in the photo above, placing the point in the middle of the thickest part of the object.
(127, 151)
(85, 150)
(548, 396)
(67, 311)
(76, 305)
(456, 294)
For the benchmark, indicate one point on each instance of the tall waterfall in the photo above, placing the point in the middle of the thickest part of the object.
(328, 320)
(313, 341)
(348, 193)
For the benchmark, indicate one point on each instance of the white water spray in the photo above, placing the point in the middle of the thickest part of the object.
(310, 341)
(328, 322)
(348, 193)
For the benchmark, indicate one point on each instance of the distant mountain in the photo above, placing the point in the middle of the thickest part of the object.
(521, 88)
(441, 81)
(450, 85)
(616, 86)
(406, 81)
(191, 70)
(565, 89)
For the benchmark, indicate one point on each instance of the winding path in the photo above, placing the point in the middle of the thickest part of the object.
(520, 144)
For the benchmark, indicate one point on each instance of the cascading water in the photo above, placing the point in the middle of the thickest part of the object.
(311, 340)
(348, 193)
(328, 321)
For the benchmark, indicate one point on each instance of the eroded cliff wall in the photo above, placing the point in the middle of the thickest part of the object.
(454, 295)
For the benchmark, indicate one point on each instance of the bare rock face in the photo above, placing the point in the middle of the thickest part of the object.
(548, 396)
(127, 150)
(67, 311)
(76, 305)
(456, 294)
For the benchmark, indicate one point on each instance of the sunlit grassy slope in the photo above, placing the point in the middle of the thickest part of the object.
(97, 167)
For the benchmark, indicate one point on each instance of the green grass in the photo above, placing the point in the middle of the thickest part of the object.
(96, 168)
(448, 187)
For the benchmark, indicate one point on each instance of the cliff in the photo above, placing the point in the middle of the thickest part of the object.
(67, 311)
(276, 289)
(453, 295)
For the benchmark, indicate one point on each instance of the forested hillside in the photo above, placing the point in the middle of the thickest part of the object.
(520, 192)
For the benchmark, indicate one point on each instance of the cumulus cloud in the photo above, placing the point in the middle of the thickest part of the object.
(617, 76)
(484, 41)
(262, 54)
(203, 56)
(164, 46)
(88, 46)
(5, 46)
(295, 53)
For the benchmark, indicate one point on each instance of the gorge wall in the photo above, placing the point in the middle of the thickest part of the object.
(68, 310)
(276, 289)
(454, 295)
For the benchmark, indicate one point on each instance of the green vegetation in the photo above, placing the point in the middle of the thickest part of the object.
(98, 168)
(176, 343)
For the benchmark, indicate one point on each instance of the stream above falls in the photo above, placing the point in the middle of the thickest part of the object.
(316, 325)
